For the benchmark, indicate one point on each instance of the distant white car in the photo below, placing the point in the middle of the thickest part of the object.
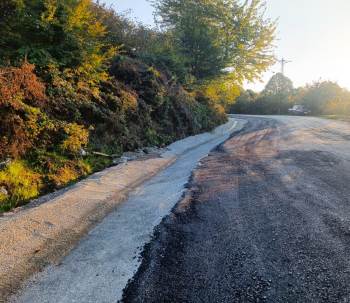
(299, 110)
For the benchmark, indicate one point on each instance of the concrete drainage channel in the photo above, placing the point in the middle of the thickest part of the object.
(99, 267)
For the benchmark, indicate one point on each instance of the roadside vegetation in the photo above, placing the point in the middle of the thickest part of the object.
(322, 98)
(77, 77)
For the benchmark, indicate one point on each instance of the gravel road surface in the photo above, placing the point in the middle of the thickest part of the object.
(266, 219)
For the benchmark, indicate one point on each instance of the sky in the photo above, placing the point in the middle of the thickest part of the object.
(313, 34)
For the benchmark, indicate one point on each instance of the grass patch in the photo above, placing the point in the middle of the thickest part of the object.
(21, 184)
(344, 118)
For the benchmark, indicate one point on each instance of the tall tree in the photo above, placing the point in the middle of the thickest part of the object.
(279, 85)
(213, 35)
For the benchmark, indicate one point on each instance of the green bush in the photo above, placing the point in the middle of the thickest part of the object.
(21, 183)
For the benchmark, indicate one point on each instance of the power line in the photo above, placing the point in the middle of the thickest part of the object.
(283, 64)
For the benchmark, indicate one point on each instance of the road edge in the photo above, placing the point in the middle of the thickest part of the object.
(36, 237)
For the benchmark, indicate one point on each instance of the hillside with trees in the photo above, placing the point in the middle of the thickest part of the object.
(76, 78)
(320, 98)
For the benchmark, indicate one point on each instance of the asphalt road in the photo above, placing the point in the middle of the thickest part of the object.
(266, 219)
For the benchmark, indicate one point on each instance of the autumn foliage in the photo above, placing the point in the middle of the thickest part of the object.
(20, 90)
(19, 85)
(77, 78)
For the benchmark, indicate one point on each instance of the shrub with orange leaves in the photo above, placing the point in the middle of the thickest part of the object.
(21, 92)
(68, 172)
(20, 84)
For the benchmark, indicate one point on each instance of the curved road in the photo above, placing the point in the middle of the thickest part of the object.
(266, 219)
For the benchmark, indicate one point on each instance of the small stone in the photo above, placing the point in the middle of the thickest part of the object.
(83, 152)
(151, 150)
(3, 191)
(121, 160)
(5, 163)
(140, 151)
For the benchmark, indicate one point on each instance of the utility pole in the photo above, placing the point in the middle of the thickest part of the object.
(283, 64)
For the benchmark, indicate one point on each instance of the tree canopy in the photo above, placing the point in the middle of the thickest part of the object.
(65, 33)
(279, 84)
(214, 35)
(320, 98)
